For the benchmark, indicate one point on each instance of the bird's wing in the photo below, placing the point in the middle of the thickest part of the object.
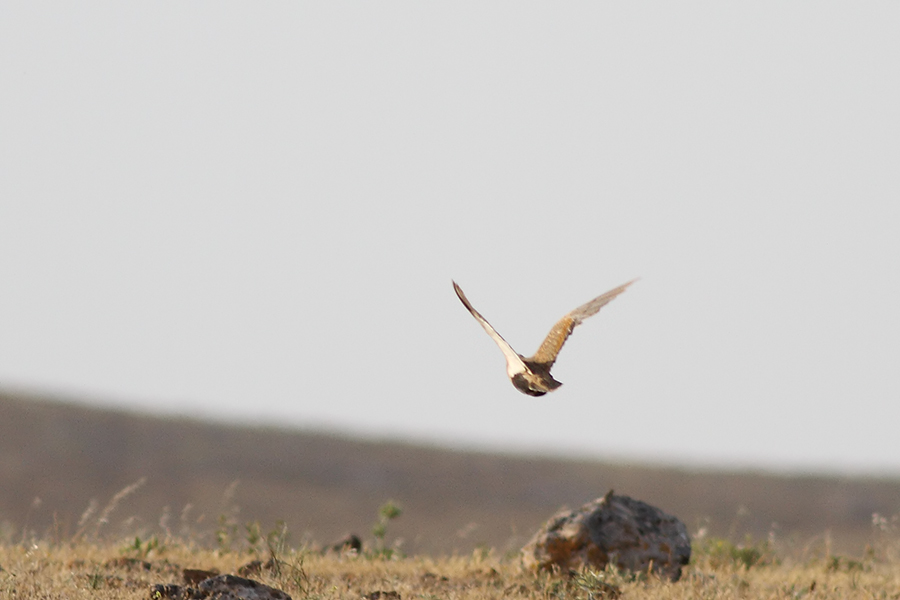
(553, 343)
(513, 360)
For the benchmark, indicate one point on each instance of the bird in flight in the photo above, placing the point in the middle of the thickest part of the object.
(532, 375)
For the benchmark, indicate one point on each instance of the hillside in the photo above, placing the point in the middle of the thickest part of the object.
(324, 486)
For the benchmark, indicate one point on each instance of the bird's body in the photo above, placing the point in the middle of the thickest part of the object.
(532, 375)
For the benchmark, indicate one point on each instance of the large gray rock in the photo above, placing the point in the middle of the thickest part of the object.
(628, 533)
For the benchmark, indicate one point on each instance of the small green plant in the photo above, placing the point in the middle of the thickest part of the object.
(721, 552)
(837, 564)
(254, 537)
(226, 532)
(387, 512)
(95, 580)
(142, 548)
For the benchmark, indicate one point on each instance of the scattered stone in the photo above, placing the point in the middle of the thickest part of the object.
(168, 592)
(231, 587)
(628, 533)
(350, 542)
(382, 595)
(255, 567)
(433, 578)
(221, 587)
(195, 576)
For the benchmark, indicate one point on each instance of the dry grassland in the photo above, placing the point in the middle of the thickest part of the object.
(44, 571)
(129, 569)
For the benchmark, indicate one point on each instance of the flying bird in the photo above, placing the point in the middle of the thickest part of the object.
(532, 375)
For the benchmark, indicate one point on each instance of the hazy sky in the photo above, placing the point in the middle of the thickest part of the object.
(254, 211)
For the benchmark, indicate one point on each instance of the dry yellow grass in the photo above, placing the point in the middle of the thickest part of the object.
(126, 570)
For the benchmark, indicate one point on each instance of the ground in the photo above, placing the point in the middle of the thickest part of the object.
(126, 569)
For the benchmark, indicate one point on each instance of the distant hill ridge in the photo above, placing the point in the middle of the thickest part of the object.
(323, 486)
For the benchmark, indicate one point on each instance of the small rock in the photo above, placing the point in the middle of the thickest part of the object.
(381, 595)
(350, 542)
(195, 576)
(168, 591)
(614, 529)
(231, 587)
(255, 567)
(432, 578)
(221, 587)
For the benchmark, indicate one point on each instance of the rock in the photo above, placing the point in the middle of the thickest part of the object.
(231, 587)
(256, 567)
(629, 533)
(350, 542)
(382, 595)
(223, 587)
(195, 576)
(167, 591)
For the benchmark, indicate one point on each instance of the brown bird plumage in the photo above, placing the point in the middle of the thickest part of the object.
(532, 375)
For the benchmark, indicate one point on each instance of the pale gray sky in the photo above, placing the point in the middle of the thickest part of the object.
(254, 211)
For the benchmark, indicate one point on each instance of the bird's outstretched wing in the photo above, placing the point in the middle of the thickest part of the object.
(513, 360)
(553, 343)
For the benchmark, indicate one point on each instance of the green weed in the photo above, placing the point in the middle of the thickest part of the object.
(388, 511)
